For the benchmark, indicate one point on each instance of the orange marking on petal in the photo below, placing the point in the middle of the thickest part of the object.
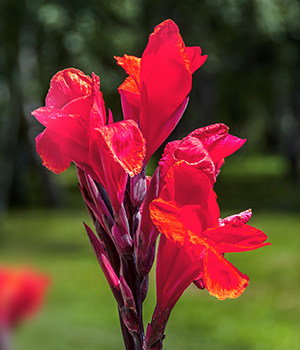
(221, 278)
(131, 65)
(165, 217)
(129, 85)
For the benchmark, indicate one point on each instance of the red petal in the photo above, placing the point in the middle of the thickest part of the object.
(126, 144)
(131, 65)
(57, 152)
(52, 150)
(195, 58)
(195, 191)
(204, 148)
(165, 84)
(130, 85)
(213, 206)
(67, 85)
(76, 118)
(130, 98)
(218, 141)
(167, 128)
(166, 217)
(116, 149)
(167, 159)
(48, 116)
(63, 122)
(175, 271)
(236, 237)
(221, 278)
(111, 175)
(184, 204)
(193, 152)
(130, 89)
(155, 93)
(244, 217)
(97, 113)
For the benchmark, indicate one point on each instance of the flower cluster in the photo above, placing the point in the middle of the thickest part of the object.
(129, 209)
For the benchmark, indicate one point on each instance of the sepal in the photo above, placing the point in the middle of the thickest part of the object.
(128, 311)
(127, 294)
(130, 319)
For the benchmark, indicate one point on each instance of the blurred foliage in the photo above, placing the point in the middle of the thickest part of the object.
(250, 80)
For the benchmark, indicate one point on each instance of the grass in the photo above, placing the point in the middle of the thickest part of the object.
(80, 312)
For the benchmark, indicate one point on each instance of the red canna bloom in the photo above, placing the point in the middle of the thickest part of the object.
(156, 92)
(76, 130)
(187, 215)
(22, 292)
(204, 148)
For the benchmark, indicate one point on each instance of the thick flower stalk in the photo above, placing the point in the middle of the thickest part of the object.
(130, 210)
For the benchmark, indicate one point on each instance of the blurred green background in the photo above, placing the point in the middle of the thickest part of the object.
(251, 82)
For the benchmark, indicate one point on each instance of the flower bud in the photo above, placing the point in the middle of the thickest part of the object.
(122, 239)
(127, 294)
(138, 185)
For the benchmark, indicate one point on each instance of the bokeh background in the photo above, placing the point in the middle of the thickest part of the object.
(251, 82)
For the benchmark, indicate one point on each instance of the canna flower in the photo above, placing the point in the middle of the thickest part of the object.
(155, 94)
(188, 216)
(204, 148)
(193, 242)
(178, 202)
(21, 294)
(76, 130)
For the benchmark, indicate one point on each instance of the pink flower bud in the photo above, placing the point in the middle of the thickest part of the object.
(138, 188)
(122, 239)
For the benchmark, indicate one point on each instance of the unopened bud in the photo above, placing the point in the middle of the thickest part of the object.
(138, 188)
(122, 239)
(101, 201)
(121, 219)
(127, 294)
